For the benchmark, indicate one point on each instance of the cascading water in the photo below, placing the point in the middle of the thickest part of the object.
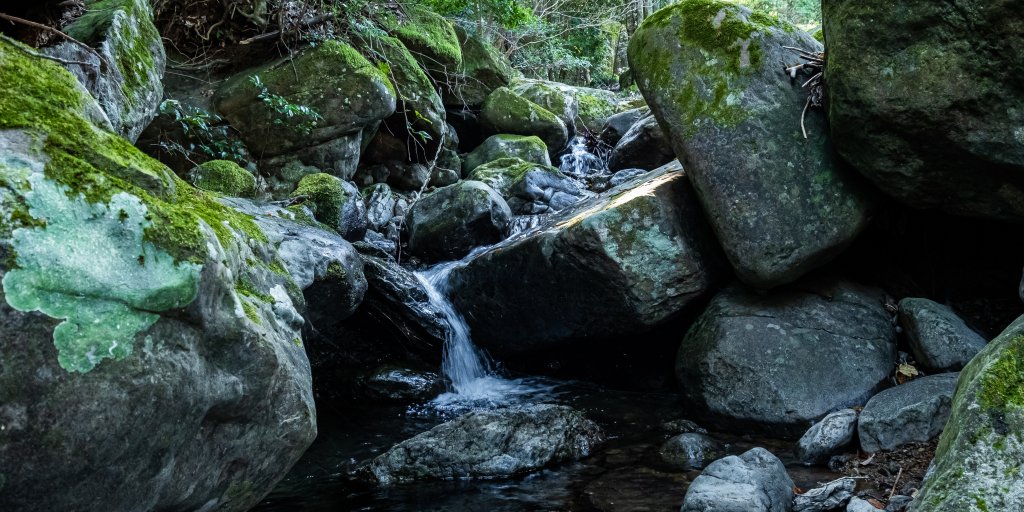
(580, 162)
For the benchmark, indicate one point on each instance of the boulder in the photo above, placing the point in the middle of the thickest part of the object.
(484, 69)
(349, 95)
(780, 204)
(938, 338)
(690, 451)
(858, 505)
(394, 293)
(755, 481)
(380, 204)
(596, 106)
(529, 188)
(980, 451)
(130, 87)
(402, 385)
(450, 222)
(557, 98)
(617, 125)
(335, 203)
(627, 261)
(419, 113)
(643, 146)
(507, 112)
(152, 356)
(431, 38)
(625, 175)
(488, 444)
(832, 496)
(408, 176)
(827, 437)
(891, 99)
(529, 148)
(779, 362)
(914, 412)
(223, 177)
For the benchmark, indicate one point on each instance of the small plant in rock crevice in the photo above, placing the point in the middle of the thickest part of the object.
(205, 134)
(301, 118)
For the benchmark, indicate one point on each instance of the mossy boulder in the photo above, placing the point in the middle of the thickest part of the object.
(332, 78)
(595, 107)
(128, 83)
(981, 451)
(529, 188)
(223, 177)
(780, 204)
(555, 97)
(917, 115)
(484, 69)
(430, 37)
(524, 147)
(627, 261)
(145, 327)
(507, 112)
(449, 222)
(335, 203)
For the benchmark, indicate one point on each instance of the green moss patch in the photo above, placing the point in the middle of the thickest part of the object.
(324, 195)
(428, 33)
(224, 177)
(1002, 383)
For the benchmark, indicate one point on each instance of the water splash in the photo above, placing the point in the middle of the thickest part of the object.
(580, 163)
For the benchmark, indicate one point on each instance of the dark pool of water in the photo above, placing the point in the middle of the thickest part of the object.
(623, 474)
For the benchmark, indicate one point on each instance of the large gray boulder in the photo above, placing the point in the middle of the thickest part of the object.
(980, 452)
(128, 82)
(488, 444)
(938, 338)
(152, 355)
(914, 412)
(780, 204)
(755, 481)
(891, 99)
(507, 112)
(781, 361)
(627, 261)
(617, 125)
(643, 146)
(451, 221)
(827, 437)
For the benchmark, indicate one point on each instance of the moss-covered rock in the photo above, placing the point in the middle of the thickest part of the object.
(917, 116)
(627, 261)
(224, 177)
(981, 451)
(129, 82)
(780, 204)
(595, 107)
(484, 69)
(529, 188)
(507, 112)
(450, 222)
(430, 37)
(332, 78)
(140, 298)
(335, 203)
(580, 108)
(524, 147)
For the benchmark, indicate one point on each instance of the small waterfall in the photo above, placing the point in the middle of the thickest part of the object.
(580, 163)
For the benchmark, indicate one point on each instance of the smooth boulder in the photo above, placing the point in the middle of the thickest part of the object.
(781, 205)
(827, 437)
(892, 99)
(778, 362)
(643, 146)
(938, 338)
(627, 261)
(914, 412)
(755, 481)
(451, 221)
(524, 147)
(488, 444)
(507, 112)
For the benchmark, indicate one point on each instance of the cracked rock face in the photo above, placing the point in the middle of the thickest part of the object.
(756, 361)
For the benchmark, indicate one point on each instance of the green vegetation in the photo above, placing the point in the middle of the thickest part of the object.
(224, 177)
(324, 195)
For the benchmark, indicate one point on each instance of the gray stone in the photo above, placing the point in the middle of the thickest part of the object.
(755, 361)
(529, 188)
(451, 221)
(484, 69)
(755, 481)
(408, 176)
(827, 437)
(859, 505)
(440, 177)
(914, 412)
(625, 175)
(898, 503)
(691, 451)
(395, 293)
(938, 338)
(380, 205)
(831, 496)
(891, 98)
(396, 384)
(780, 204)
(643, 146)
(334, 202)
(980, 452)
(627, 261)
(557, 98)
(488, 444)
(128, 84)
(618, 124)
(524, 147)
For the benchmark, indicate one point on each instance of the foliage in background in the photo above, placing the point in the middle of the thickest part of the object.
(204, 134)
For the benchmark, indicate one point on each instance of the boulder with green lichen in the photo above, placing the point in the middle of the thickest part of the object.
(449, 222)
(917, 115)
(781, 205)
(981, 451)
(431, 39)
(525, 147)
(483, 70)
(128, 82)
(529, 188)
(335, 203)
(505, 111)
(139, 299)
(626, 261)
(223, 177)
